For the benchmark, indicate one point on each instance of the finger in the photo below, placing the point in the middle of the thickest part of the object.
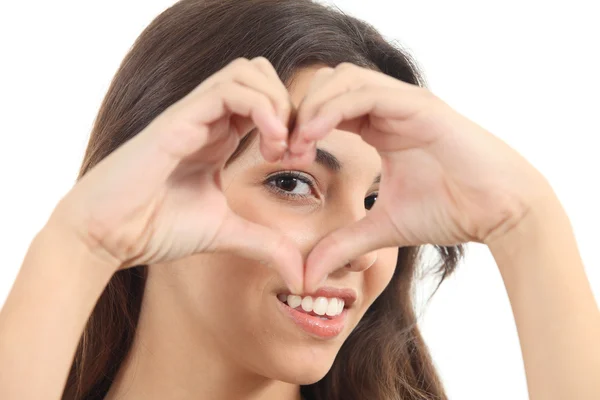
(319, 85)
(300, 161)
(284, 105)
(184, 130)
(258, 74)
(250, 240)
(263, 78)
(345, 110)
(341, 246)
(329, 84)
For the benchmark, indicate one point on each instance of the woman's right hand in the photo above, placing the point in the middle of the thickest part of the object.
(158, 196)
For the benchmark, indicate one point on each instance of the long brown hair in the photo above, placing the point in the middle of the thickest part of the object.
(385, 356)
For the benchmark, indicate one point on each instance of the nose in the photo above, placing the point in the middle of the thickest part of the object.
(344, 215)
(362, 262)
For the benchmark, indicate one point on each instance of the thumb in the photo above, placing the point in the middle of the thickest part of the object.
(254, 241)
(340, 247)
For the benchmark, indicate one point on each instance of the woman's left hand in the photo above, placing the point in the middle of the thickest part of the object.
(445, 180)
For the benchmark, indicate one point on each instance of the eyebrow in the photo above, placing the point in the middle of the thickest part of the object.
(328, 160)
(331, 162)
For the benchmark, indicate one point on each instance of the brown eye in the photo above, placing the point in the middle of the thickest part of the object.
(370, 201)
(291, 184)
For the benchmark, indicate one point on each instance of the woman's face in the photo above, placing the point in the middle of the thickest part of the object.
(231, 304)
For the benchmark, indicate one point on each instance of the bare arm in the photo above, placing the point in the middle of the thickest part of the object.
(557, 319)
(127, 210)
(45, 313)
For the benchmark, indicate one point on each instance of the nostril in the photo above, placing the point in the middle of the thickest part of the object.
(362, 262)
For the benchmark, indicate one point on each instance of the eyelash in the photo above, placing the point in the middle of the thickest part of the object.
(271, 185)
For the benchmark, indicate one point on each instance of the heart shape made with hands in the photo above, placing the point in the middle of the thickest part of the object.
(445, 180)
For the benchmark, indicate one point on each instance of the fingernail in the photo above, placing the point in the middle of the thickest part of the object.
(279, 126)
(283, 146)
(317, 285)
(320, 283)
(293, 288)
(290, 157)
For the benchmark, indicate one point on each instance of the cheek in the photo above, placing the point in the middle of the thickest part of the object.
(294, 222)
(379, 275)
(220, 285)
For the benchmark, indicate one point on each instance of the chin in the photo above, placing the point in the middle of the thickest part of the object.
(305, 366)
(305, 375)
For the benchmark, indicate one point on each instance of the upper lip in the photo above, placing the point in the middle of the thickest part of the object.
(348, 295)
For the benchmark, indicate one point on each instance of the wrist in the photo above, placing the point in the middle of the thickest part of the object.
(60, 228)
(544, 219)
(552, 302)
(57, 241)
(544, 228)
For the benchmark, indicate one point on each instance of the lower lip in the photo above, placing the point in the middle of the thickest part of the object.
(320, 328)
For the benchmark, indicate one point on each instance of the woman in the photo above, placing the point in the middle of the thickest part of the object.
(249, 215)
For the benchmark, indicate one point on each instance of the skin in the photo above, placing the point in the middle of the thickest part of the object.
(211, 319)
(160, 197)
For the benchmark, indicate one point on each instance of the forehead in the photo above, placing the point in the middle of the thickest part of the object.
(346, 146)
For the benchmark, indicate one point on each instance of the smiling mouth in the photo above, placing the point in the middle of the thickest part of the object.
(320, 307)
(322, 314)
(308, 314)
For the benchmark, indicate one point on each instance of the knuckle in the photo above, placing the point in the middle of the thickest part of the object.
(238, 63)
(182, 136)
(325, 71)
(429, 95)
(223, 86)
(263, 102)
(286, 106)
(263, 61)
(345, 66)
(265, 65)
(352, 73)
(307, 113)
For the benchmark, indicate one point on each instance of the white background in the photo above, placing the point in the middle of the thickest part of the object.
(528, 71)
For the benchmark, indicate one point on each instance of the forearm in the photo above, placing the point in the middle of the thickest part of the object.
(557, 319)
(44, 315)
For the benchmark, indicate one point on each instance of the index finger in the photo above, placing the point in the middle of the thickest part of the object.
(285, 107)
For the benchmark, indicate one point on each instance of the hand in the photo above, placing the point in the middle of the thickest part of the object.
(158, 197)
(445, 180)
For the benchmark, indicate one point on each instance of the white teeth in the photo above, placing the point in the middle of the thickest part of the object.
(294, 300)
(307, 304)
(320, 306)
(332, 308)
